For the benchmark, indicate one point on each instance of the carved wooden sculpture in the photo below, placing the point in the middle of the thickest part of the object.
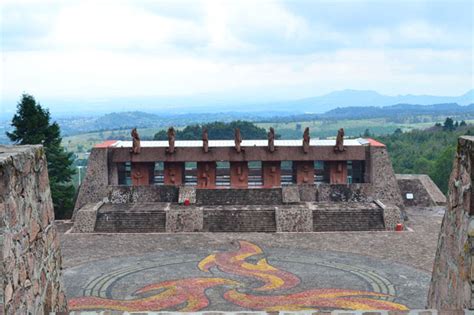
(339, 147)
(205, 140)
(135, 142)
(306, 139)
(271, 140)
(237, 140)
(171, 139)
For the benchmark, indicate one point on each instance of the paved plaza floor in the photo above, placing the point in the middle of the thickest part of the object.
(252, 271)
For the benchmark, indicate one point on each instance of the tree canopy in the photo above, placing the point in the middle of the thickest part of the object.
(32, 126)
(217, 131)
(429, 151)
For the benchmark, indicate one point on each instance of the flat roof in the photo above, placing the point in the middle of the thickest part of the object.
(244, 143)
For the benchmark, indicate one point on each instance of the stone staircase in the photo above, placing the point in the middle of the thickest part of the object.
(151, 217)
(239, 221)
(368, 219)
(131, 218)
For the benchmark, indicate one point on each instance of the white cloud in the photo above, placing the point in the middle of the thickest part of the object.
(117, 25)
(118, 48)
(89, 73)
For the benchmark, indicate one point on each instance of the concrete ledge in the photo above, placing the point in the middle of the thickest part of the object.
(86, 218)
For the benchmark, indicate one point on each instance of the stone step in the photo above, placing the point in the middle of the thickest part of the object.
(131, 222)
(239, 221)
(348, 220)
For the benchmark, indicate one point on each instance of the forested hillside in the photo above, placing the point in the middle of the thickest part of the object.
(430, 151)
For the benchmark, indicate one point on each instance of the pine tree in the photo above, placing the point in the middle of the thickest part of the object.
(32, 126)
(449, 124)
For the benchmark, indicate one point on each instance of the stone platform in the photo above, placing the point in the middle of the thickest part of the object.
(171, 217)
(243, 275)
(117, 266)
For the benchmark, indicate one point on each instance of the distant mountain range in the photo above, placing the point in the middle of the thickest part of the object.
(128, 120)
(220, 103)
(359, 99)
(399, 110)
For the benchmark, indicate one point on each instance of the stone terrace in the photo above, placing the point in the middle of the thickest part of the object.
(415, 248)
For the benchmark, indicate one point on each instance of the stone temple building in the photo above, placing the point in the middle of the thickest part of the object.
(115, 196)
(241, 185)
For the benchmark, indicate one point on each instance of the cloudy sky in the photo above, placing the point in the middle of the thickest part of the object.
(273, 49)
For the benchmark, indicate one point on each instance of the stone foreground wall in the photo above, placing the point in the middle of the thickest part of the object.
(453, 269)
(32, 280)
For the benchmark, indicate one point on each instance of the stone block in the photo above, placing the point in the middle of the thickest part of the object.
(308, 193)
(263, 196)
(391, 215)
(184, 219)
(294, 219)
(142, 194)
(290, 194)
(86, 218)
(187, 192)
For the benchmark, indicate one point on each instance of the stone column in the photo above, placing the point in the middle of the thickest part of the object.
(271, 174)
(174, 173)
(239, 174)
(142, 173)
(206, 174)
(303, 172)
(337, 172)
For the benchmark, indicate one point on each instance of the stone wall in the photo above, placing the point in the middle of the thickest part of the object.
(453, 269)
(344, 193)
(32, 280)
(142, 194)
(261, 196)
(303, 217)
(321, 192)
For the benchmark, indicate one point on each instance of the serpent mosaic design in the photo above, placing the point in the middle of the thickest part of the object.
(189, 294)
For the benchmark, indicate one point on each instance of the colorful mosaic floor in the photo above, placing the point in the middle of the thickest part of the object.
(244, 276)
